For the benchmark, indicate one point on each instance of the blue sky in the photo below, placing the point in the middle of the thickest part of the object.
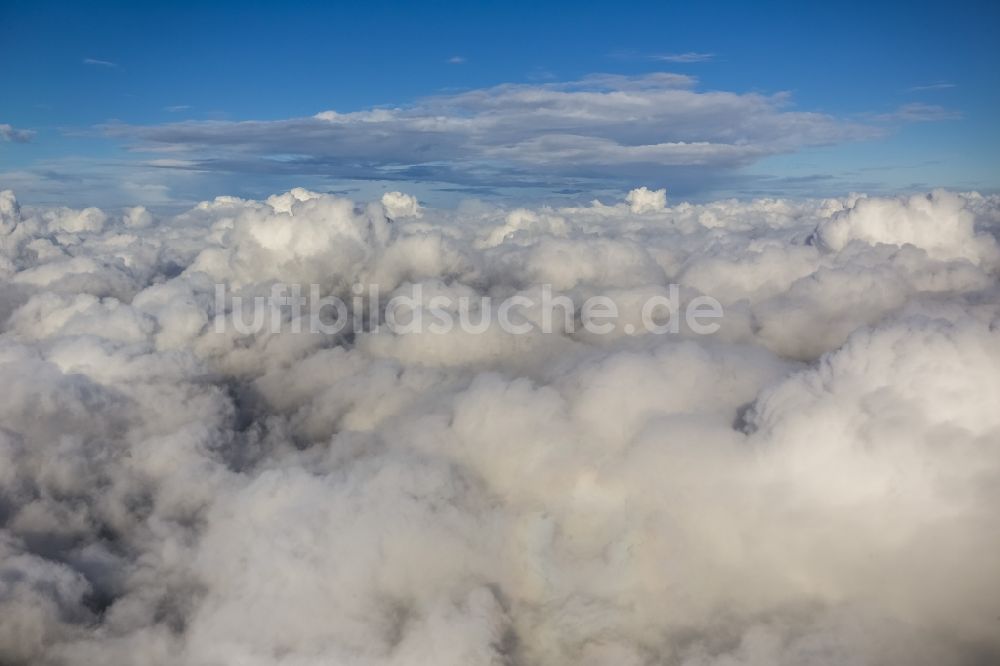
(119, 103)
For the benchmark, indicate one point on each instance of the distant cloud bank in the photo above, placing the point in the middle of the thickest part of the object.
(602, 127)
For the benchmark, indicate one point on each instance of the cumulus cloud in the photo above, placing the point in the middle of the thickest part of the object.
(939, 223)
(644, 200)
(11, 133)
(815, 483)
(397, 205)
(600, 127)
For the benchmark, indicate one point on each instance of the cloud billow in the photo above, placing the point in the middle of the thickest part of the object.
(816, 483)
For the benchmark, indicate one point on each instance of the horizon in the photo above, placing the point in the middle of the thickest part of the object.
(118, 104)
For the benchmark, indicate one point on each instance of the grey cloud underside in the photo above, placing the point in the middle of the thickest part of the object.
(814, 485)
(11, 133)
(614, 126)
(468, 178)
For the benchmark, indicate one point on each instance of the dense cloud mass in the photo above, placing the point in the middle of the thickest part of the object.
(817, 482)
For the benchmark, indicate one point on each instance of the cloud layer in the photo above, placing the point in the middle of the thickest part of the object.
(816, 483)
(603, 127)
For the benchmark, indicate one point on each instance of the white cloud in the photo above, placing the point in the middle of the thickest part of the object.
(644, 200)
(939, 223)
(456, 60)
(786, 491)
(398, 205)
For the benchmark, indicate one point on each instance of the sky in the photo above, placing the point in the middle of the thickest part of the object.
(169, 103)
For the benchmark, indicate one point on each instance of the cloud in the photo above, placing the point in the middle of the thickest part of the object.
(683, 58)
(917, 112)
(941, 85)
(176, 108)
(456, 60)
(13, 134)
(643, 200)
(609, 127)
(99, 63)
(785, 491)
(940, 224)
(688, 57)
(399, 205)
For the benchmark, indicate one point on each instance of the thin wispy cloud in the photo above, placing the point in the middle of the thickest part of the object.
(941, 85)
(918, 112)
(688, 57)
(456, 60)
(177, 108)
(100, 63)
(539, 74)
(682, 58)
